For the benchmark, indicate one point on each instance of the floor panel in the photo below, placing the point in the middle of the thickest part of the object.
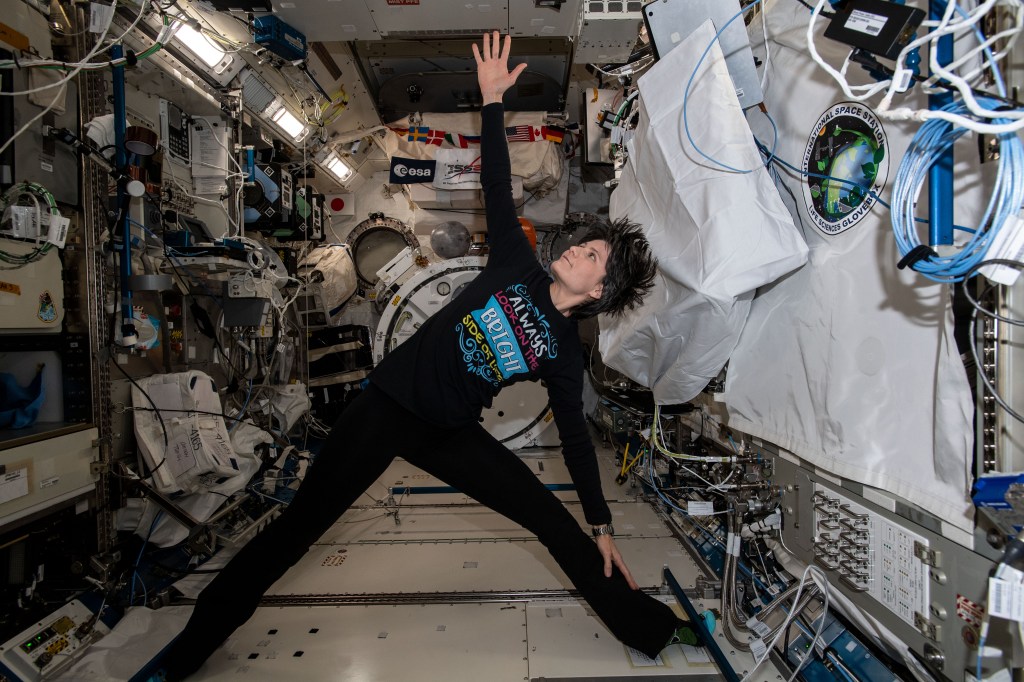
(469, 566)
(376, 644)
(429, 523)
(546, 463)
(445, 545)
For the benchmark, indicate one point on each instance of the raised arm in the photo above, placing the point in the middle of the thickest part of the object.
(492, 68)
(506, 236)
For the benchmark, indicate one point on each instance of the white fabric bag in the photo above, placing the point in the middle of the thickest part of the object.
(717, 234)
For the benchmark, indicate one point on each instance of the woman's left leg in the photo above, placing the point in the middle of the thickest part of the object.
(481, 467)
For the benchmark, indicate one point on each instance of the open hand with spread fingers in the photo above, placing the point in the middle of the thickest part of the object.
(492, 67)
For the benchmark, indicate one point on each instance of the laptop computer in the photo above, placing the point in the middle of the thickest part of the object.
(669, 22)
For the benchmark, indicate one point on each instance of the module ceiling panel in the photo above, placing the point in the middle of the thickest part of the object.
(439, 17)
(546, 19)
(329, 20)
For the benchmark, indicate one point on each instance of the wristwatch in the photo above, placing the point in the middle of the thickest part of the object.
(606, 529)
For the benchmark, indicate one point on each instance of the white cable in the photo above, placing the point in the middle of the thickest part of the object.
(789, 618)
(659, 444)
(848, 90)
(767, 50)
(948, 25)
(63, 82)
(238, 192)
(82, 64)
(866, 624)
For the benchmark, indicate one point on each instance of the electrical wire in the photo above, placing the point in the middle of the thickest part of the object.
(767, 50)
(811, 568)
(8, 200)
(163, 426)
(138, 559)
(972, 334)
(63, 82)
(689, 84)
(658, 440)
(207, 412)
(831, 178)
(809, 6)
(942, 75)
(928, 146)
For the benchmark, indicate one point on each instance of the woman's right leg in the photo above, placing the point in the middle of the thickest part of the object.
(352, 458)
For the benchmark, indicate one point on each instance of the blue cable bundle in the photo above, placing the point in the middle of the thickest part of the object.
(931, 140)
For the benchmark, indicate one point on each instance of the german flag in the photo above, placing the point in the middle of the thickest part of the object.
(552, 133)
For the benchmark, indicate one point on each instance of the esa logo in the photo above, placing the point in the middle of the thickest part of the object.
(404, 171)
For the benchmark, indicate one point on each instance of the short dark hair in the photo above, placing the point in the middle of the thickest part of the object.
(630, 269)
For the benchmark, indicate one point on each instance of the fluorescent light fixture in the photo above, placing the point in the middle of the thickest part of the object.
(341, 170)
(200, 45)
(288, 123)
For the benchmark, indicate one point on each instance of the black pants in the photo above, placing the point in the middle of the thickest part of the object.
(364, 441)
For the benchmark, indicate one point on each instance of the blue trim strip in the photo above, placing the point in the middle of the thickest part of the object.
(698, 626)
(940, 175)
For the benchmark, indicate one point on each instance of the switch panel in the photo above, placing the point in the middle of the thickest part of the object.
(872, 555)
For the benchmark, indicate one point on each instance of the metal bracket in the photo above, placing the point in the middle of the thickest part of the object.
(845, 579)
(928, 556)
(927, 628)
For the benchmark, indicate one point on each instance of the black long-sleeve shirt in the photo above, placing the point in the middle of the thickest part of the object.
(500, 330)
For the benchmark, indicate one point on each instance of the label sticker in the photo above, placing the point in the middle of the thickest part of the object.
(1006, 599)
(638, 659)
(866, 22)
(100, 16)
(700, 508)
(13, 484)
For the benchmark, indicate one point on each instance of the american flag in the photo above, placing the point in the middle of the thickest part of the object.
(520, 134)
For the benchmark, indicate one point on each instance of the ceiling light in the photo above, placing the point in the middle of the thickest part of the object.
(340, 169)
(200, 45)
(288, 123)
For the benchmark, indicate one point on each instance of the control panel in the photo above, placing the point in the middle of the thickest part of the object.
(53, 643)
(872, 554)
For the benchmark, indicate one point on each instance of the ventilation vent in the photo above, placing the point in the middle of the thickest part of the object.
(613, 6)
(467, 32)
(255, 92)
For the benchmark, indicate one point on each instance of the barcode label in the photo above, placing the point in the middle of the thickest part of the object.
(865, 22)
(1006, 599)
(700, 508)
(759, 628)
(758, 648)
(100, 16)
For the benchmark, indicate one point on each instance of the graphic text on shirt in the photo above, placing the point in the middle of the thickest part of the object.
(507, 336)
